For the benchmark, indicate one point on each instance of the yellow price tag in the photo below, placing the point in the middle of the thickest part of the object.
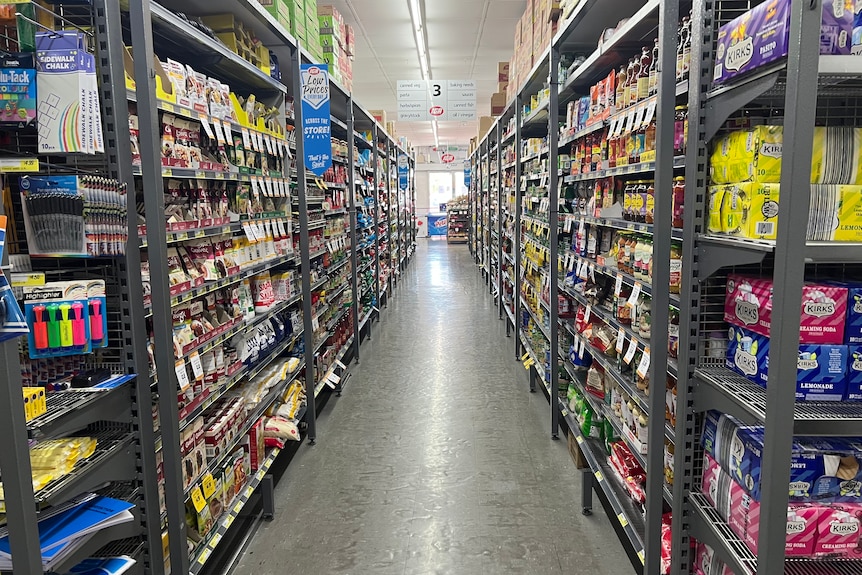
(580, 440)
(19, 165)
(248, 491)
(238, 507)
(623, 521)
(525, 356)
(182, 236)
(198, 499)
(208, 485)
(200, 174)
(641, 556)
(215, 541)
(229, 521)
(599, 476)
(204, 556)
(167, 172)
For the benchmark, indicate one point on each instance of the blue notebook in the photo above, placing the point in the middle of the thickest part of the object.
(109, 566)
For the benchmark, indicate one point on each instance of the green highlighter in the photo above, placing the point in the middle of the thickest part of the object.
(66, 337)
(53, 326)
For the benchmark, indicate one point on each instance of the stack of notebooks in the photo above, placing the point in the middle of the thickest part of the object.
(66, 528)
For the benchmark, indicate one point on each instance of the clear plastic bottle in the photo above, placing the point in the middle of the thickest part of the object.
(683, 39)
(621, 97)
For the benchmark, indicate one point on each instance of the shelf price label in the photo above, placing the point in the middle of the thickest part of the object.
(630, 352)
(206, 125)
(633, 298)
(197, 367)
(246, 139)
(587, 313)
(208, 485)
(643, 366)
(198, 499)
(219, 134)
(618, 287)
(182, 374)
(621, 339)
(623, 521)
(581, 347)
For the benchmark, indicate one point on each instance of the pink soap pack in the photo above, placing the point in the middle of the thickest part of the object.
(742, 513)
(707, 562)
(748, 304)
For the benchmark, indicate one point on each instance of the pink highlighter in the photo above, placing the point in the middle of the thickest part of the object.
(97, 333)
(79, 328)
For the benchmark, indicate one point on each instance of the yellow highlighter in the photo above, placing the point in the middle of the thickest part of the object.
(66, 337)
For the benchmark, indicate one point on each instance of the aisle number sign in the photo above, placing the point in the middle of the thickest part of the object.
(316, 122)
(426, 100)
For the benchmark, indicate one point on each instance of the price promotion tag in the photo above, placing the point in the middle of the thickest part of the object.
(630, 352)
(581, 347)
(619, 285)
(592, 273)
(633, 298)
(630, 120)
(587, 313)
(218, 131)
(208, 485)
(583, 273)
(197, 367)
(643, 366)
(621, 339)
(525, 356)
(246, 139)
(198, 499)
(650, 112)
(206, 125)
(182, 375)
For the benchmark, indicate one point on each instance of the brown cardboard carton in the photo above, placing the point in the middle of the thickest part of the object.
(498, 103)
(502, 71)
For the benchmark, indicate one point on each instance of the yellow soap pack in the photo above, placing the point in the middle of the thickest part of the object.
(754, 155)
(748, 210)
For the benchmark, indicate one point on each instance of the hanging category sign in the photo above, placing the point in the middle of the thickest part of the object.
(426, 100)
(316, 122)
(468, 174)
(403, 171)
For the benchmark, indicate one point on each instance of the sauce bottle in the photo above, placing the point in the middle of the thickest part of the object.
(653, 70)
(678, 199)
(633, 81)
(621, 96)
(684, 30)
(643, 74)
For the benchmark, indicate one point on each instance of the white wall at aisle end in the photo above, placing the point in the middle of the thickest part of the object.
(423, 207)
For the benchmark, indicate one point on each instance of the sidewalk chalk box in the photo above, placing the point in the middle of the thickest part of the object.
(748, 304)
(821, 369)
(761, 36)
(821, 469)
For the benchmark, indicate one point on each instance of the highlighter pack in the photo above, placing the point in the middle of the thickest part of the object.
(66, 318)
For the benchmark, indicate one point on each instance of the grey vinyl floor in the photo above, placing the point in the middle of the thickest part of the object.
(437, 459)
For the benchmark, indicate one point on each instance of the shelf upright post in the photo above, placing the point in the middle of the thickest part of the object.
(154, 209)
(516, 231)
(375, 155)
(15, 463)
(666, 101)
(119, 161)
(553, 225)
(488, 231)
(499, 130)
(305, 248)
(354, 235)
(696, 176)
(800, 103)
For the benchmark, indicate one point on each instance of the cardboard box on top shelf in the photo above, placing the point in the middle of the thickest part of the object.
(279, 9)
(350, 40)
(498, 103)
(485, 123)
(503, 71)
(502, 86)
(379, 115)
(390, 129)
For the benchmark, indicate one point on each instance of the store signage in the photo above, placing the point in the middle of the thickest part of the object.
(403, 171)
(426, 100)
(448, 158)
(468, 174)
(316, 122)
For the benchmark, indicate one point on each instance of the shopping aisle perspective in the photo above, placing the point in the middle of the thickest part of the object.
(437, 458)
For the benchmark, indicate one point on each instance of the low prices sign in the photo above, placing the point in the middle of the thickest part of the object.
(316, 121)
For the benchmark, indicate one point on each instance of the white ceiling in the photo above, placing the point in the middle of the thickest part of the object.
(466, 40)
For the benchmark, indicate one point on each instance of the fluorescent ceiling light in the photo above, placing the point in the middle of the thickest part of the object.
(419, 35)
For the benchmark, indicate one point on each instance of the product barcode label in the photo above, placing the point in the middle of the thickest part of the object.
(621, 338)
(764, 228)
(630, 352)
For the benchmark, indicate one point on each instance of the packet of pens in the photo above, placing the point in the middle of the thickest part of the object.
(66, 318)
(12, 322)
(74, 215)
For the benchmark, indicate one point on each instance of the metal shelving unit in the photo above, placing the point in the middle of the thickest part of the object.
(129, 444)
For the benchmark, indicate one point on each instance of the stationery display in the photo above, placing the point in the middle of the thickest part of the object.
(74, 215)
(17, 89)
(67, 318)
(12, 322)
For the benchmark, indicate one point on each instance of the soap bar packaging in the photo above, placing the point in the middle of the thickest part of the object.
(748, 304)
(761, 36)
(821, 469)
(821, 369)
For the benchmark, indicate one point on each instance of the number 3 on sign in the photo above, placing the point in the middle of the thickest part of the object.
(436, 90)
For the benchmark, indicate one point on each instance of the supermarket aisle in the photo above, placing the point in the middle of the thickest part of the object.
(437, 459)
